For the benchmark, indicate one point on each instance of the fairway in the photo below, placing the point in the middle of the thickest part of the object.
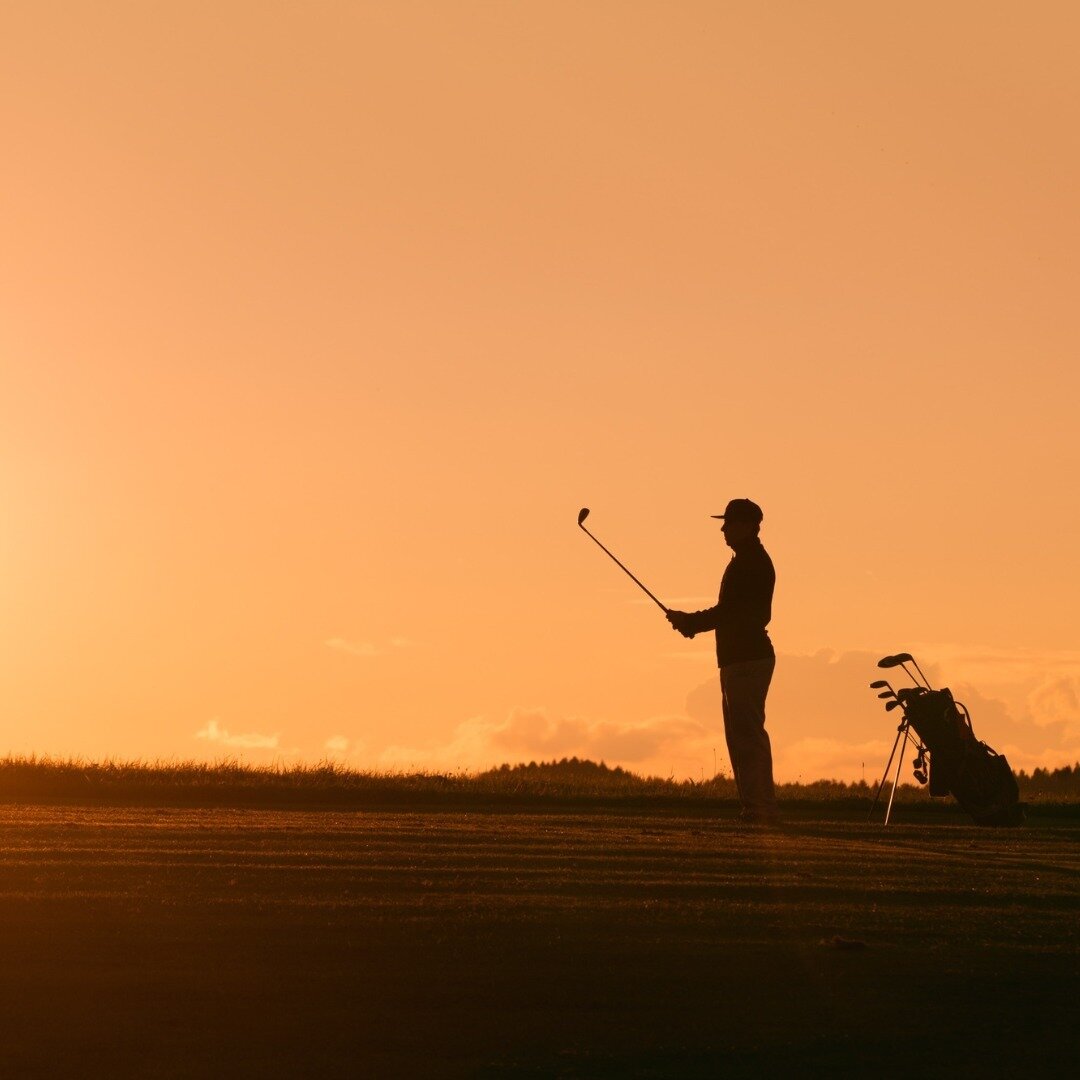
(285, 943)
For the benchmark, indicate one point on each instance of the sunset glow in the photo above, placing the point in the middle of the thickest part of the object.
(321, 322)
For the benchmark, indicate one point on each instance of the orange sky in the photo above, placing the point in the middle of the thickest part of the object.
(320, 322)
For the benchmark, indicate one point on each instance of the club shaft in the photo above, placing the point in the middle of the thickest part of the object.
(920, 671)
(623, 568)
(912, 677)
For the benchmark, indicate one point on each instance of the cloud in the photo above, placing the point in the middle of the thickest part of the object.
(679, 603)
(367, 648)
(994, 664)
(535, 734)
(1057, 702)
(824, 722)
(353, 648)
(214, 733)
(346, 751)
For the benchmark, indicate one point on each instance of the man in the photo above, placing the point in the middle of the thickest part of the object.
(745, 656)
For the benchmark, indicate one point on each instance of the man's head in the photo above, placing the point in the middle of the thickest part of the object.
(742, 520)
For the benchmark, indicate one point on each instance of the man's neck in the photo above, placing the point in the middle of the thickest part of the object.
(745, 543)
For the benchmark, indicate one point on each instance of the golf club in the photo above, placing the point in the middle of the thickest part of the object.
(907, 658)
(583, 513)
(902, 660)
(889, 662)
(900, 699)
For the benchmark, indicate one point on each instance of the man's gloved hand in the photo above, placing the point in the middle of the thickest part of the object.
(681, 621)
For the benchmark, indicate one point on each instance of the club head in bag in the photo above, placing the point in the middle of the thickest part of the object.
(902, 660)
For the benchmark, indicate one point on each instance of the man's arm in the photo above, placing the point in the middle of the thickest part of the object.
(746, 599)
(689, 623)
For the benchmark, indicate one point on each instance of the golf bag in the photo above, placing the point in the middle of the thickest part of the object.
(975, 775)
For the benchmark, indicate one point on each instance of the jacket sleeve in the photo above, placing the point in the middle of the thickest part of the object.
(745, 601)
(697, 622)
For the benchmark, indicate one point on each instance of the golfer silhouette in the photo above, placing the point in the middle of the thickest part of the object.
(744, 655)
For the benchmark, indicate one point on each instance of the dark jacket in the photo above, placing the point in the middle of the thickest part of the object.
(744, 608)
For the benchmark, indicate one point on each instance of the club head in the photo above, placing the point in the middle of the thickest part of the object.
(890, 705)
(886, 694)
(878, 684)
(583, 513)
(891, 661)
(903, 658)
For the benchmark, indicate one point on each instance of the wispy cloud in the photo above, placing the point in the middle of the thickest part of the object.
(953, 662)
(678, 603)
(353, 648)
(1057, 701)
(367, 648)
(215, 733)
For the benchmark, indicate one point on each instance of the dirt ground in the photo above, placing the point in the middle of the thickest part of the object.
(187, 943)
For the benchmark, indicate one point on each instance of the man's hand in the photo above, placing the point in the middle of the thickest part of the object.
(680, 620)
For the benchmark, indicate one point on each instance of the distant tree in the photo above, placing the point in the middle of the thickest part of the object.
(1056, 783)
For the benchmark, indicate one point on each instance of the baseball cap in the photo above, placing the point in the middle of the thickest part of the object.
(742, 510)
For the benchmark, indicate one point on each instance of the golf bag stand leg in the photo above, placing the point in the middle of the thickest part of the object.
(896, 778)
(901, 734)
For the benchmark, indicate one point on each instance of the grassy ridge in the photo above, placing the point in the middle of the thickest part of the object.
(571, 782)
(36, 779)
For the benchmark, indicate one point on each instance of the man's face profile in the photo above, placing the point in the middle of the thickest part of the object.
(737, 529)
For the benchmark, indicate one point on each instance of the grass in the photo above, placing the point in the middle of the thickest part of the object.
(157, 942)
(34, 780)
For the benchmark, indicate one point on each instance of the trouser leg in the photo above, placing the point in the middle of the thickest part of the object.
(744, 687)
